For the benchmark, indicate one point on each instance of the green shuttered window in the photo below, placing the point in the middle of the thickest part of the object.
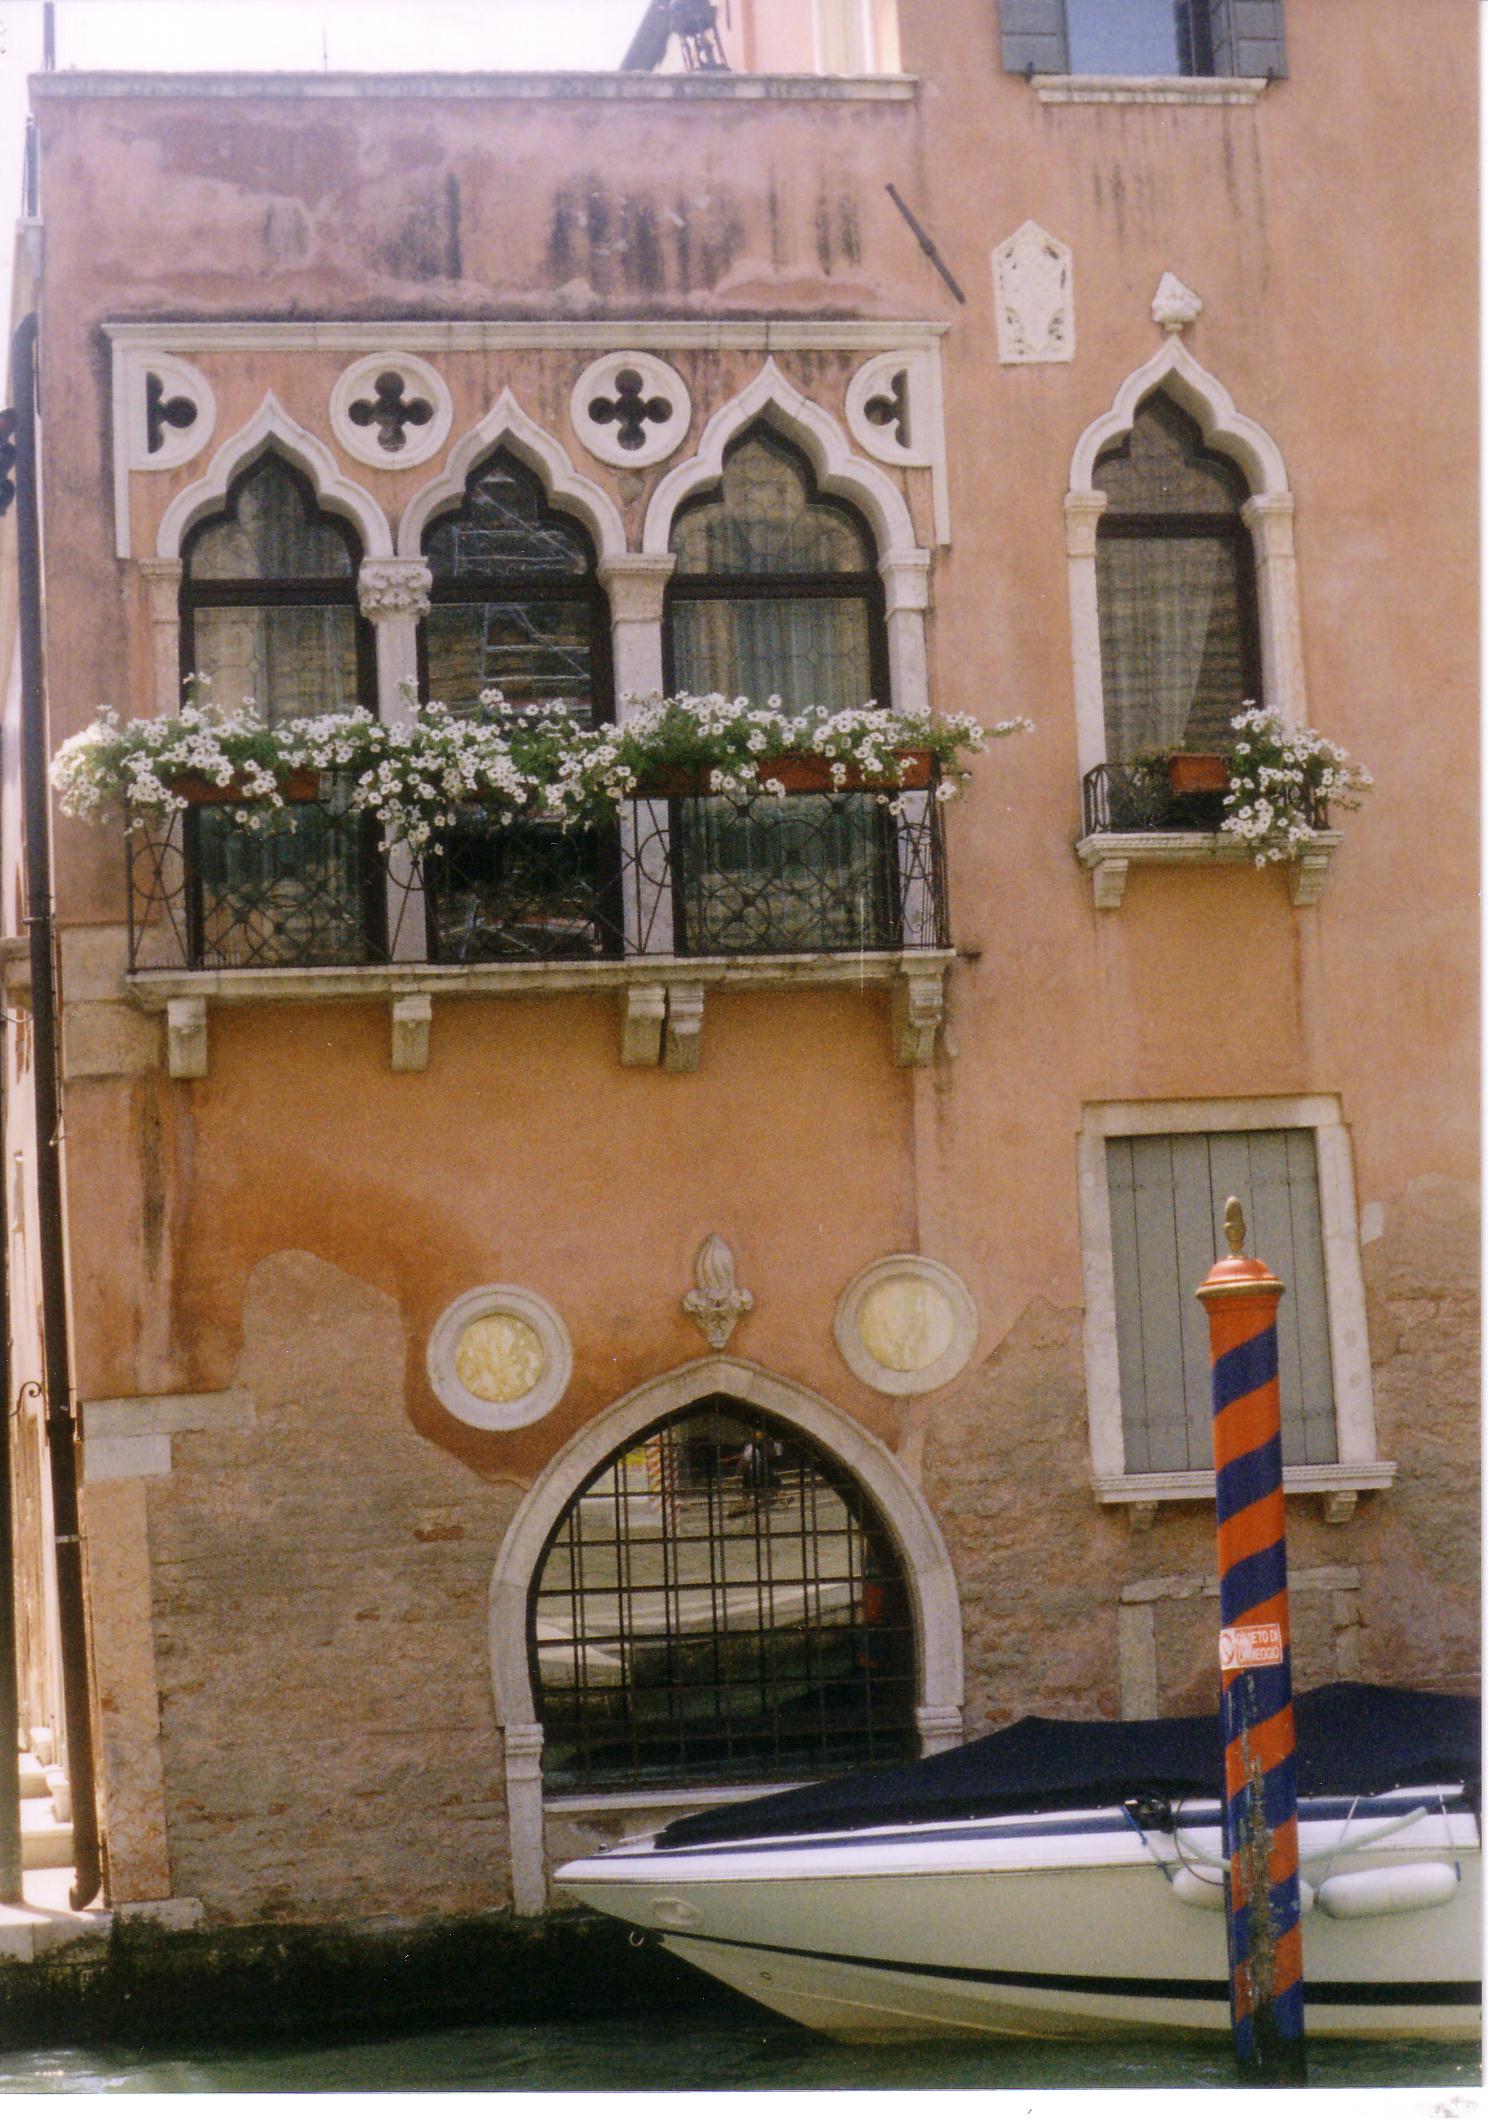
(1168, 1193)
(1142, 37)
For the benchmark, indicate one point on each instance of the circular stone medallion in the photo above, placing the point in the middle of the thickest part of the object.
(499, 1358)
(906, 1325)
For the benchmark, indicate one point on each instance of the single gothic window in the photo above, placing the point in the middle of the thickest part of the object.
(776, 591)
(516, 602)
(720, 1601)
(1175, 573)
(269, 614)
(269, 602)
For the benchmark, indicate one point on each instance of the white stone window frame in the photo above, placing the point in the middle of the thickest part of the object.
(1358, 1467)
(131, 365)
(921, 367)
(929, 1578)
(1268, 516)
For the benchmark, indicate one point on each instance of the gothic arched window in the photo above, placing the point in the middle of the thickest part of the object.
(1176, 585)
(516, 602)
(776, 590)
(269, 600)
(720, 1601)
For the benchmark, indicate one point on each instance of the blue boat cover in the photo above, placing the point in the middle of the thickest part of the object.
(1352, 1740)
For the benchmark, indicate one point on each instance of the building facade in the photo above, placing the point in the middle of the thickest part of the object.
(557, 1334)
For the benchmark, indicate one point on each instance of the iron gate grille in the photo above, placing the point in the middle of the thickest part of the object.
(719, 1602)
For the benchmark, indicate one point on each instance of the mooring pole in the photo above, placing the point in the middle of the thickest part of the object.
(1262, 1891)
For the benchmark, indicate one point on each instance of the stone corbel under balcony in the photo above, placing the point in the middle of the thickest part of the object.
(1143, 1493)
(1109, 855)
(662, 999)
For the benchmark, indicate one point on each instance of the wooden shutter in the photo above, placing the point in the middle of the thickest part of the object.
(1167, 1228)
(1249, 37)
(1033, 37)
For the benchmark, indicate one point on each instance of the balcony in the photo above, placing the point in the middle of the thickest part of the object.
(684, 893)
(1133, 818)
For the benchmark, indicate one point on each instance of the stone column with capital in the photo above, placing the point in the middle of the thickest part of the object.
(394, 596)
(162, 579)
(636, 584)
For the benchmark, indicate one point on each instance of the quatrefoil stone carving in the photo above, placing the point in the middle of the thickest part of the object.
(390, 409)
(630, 410)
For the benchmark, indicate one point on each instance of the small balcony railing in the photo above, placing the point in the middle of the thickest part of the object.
(688, 876)
(1141, 798)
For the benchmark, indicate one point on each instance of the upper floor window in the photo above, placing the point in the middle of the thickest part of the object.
(269, 600)
(516, 602)
(1141, 38)
(1176, 586)
(720, 1601)
(856, 36)
(776, 590)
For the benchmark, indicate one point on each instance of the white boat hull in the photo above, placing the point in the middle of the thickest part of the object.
(1059, 1926)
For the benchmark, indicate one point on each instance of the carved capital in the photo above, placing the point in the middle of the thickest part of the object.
(717, 1303)
(635, 583)
(1082, 514)
(939, 1728)
(394, 588)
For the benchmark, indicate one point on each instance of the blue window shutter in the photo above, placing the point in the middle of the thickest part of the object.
(1033, 37)
(1249, 37)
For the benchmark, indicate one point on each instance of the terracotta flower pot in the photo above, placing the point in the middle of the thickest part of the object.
(301, 786)
(1198, 773)
(798, 774)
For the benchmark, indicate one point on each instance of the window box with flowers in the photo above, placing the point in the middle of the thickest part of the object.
(700, 841)
(1268, 799)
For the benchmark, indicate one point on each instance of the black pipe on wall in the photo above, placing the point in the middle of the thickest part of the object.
(61, 1428)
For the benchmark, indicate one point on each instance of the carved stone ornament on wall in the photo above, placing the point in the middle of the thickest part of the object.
(169, 413)
(391, 409)
(906, 1325)
(1174, 306)
(499, 1358)
(717, 1303)
(1032, 279)
(630, 410)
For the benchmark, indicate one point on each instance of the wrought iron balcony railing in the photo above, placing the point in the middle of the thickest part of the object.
(1140, 798)
(674, 877)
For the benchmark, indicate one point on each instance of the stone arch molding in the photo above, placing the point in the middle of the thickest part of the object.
(928, 1571)
(506, 424)
(1267, 515)
(839, 471)
(272, 427)
(1204, 397)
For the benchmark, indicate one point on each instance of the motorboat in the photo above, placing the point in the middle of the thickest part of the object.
(1061, 1879)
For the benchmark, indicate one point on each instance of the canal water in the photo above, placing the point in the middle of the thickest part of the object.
(699, 2054)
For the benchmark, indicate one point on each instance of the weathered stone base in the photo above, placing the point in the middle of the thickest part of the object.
(147, 1984)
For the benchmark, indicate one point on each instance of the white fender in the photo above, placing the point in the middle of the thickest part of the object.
(1401, 1889)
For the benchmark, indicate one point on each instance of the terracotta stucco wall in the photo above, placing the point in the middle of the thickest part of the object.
(297, 1220)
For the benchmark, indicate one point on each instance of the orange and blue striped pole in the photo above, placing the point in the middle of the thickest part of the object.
(1262, 1889)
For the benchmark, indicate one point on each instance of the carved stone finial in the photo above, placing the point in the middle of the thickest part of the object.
(717, 1303)
(1174, 306)
(1234, 1227)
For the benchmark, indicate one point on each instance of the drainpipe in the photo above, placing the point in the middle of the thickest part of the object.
(60, 1426)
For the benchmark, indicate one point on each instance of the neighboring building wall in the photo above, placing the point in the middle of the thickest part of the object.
(296, 1537)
